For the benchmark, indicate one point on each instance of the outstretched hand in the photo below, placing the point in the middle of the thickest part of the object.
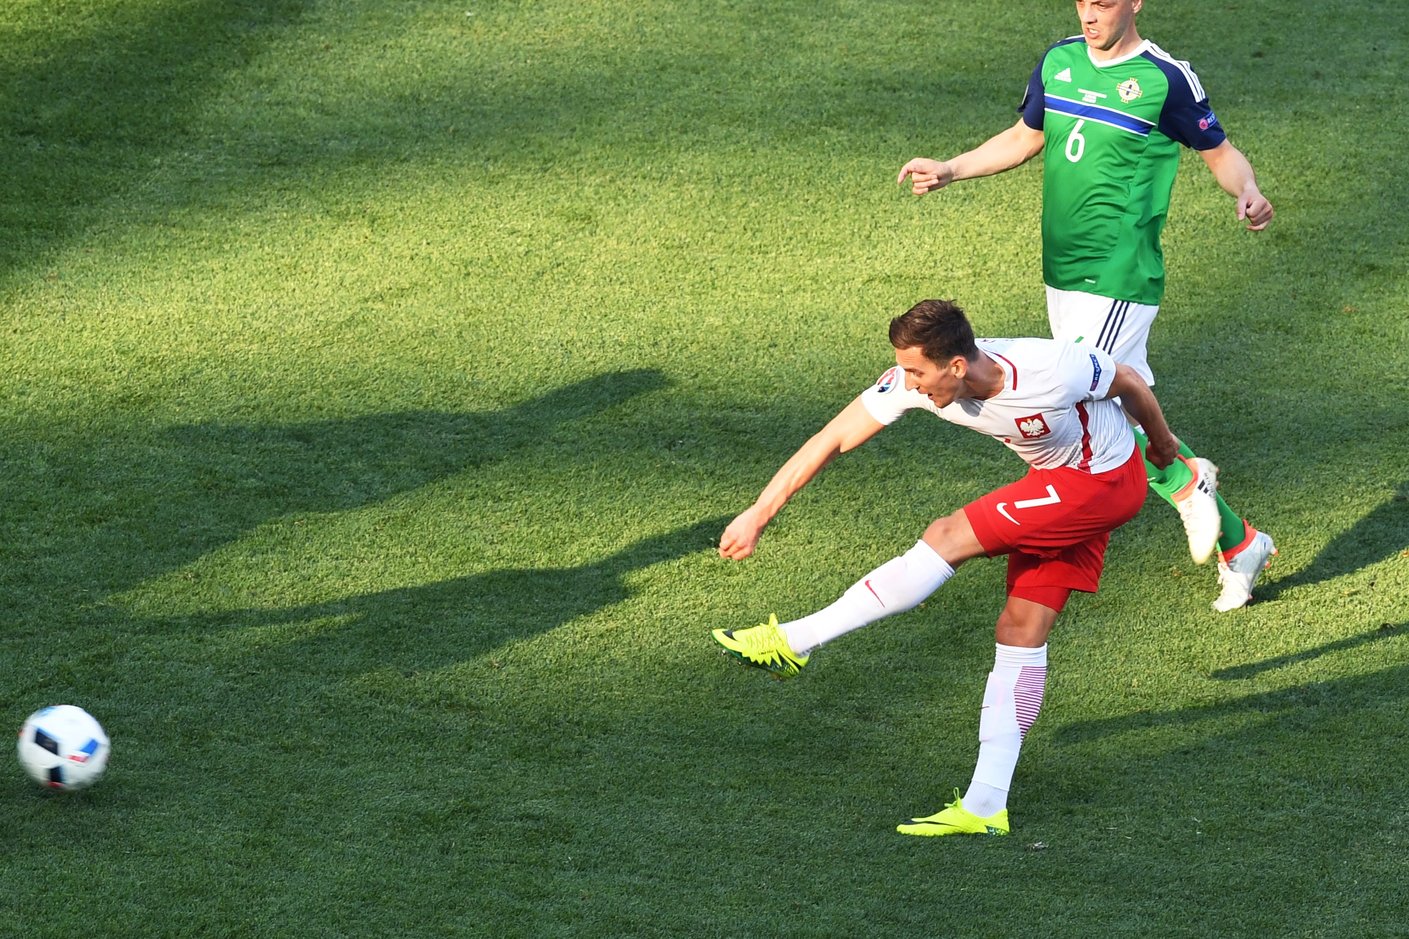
(741, 537)
(926, 175)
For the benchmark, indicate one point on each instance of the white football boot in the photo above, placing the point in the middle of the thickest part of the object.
(1198, 507)
(1238, 573)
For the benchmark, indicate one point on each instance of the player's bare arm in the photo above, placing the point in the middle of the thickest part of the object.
(1234, 173)
(1140, 403)
(1003, 151)
(847, 431)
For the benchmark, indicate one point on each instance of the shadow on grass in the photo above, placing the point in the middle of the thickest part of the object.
(109, 97)
(1303, 785)
(102, 97)
(1238, 672)
(133, 509)
(347, 462)
(431, 626)
(1308, 703)
(121, 103)
(1381, 534)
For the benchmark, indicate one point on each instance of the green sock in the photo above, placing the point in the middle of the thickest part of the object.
(1234, 531)
(1176, 476)
(1172, 478)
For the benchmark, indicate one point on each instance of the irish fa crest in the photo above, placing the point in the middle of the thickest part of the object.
(1128, 90)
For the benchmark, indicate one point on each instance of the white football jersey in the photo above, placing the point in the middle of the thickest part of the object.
(1051, 411)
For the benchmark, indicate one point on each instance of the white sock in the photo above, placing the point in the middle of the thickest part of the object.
(896, 586)
(1011, 701)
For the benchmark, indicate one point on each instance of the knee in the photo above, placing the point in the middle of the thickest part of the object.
(1024, 623)
(952, 538)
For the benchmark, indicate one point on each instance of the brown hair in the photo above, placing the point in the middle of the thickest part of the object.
(938, 328)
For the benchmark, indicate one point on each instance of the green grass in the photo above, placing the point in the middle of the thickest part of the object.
(377, 377)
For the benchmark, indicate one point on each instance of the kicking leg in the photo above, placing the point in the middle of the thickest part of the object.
(898, 585)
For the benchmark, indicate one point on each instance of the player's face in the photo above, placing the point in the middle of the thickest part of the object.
(1109, 25)
(939, 383)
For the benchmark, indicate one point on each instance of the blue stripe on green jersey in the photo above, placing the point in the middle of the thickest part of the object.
(1094, 112)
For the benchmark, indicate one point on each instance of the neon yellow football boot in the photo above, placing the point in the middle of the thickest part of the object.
(954, 819)
(763, 646)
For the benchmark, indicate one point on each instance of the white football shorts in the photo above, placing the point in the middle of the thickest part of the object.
(1120, 327)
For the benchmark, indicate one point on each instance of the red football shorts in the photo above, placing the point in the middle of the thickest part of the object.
(1054, 526)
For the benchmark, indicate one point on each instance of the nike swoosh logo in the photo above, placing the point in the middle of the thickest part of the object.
(1052, 498)
(867, 582)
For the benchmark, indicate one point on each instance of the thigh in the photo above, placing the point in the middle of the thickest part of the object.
(1056, 572)
(1120, 327)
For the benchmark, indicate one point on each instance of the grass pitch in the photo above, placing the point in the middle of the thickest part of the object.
(378, 376)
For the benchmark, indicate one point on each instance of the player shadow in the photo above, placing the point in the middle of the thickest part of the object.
(1260, 772)
(1313, 702)
(1251, 669)
(347, 462)
(430, 626)
(1381, 534)
(195, 488)
(102, 101)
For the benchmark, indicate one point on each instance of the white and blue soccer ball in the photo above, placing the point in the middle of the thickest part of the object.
(63, 747)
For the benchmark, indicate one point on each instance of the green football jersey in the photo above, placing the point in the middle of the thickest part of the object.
(1112, 133)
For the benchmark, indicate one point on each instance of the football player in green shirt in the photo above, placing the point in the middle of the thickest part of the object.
(1109, 111)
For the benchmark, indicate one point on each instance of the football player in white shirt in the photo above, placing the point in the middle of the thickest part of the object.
(1051, 402)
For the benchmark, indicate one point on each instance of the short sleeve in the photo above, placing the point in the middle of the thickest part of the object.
(1187, 116)
(1033, 107)
(888, 398)
(1097, 371)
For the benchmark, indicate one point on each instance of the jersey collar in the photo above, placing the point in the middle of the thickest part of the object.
(1137, 51)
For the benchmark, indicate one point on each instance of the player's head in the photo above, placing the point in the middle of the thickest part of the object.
(1109, 25)
(938, 328)
(934, 345)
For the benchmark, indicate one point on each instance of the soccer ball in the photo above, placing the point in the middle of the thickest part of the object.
(63, 747)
